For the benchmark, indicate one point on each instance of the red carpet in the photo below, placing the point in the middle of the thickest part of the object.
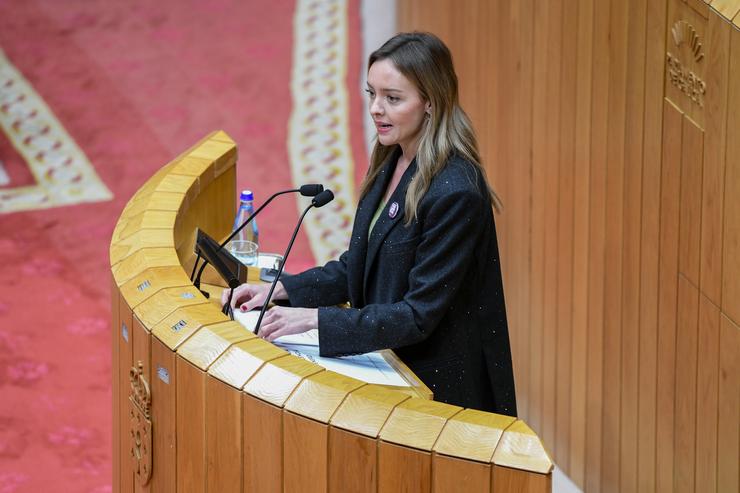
(133, 84)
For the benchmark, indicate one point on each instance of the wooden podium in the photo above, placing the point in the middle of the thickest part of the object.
(201, 404)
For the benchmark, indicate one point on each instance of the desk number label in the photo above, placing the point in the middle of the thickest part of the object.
(163, 374)
(124, 331)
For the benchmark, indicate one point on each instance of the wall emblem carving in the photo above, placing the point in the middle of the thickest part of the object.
(140, 414)
(679, 74)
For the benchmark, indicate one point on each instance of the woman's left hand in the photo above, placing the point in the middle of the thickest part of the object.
(279, 321)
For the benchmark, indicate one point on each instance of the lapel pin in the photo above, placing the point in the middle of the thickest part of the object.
(393, 210)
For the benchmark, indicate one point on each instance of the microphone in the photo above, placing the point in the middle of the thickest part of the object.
(310, 190)
(319, 200)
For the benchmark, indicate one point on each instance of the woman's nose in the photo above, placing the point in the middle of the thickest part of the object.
(375, 107)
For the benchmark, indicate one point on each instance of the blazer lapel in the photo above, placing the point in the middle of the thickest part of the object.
(385, 222)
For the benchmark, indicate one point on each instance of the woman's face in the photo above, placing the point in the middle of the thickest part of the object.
(396, 106)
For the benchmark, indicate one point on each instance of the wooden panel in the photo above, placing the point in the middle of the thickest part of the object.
(506, 480)
(690, 208)
(521, 448)
(366, 410)
(403, 469)
(685, 407)
(263, 446)
(577, 438)
(728, 443)
(650, 240)
(141, 355)
(669, 193)
(565, 233)
(164, 384)
(223, 444)
(210, 342)
(304, 454)
(191, 467)
(115, 384)
(353, 462)
(707, 380)
(454, 475)
(715, 141)
(417, 423)
(125, 362)
(596, 259)
(633, 149)
(731, 234)
(473, 435)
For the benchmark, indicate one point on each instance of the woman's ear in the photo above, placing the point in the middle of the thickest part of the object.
(428, 108)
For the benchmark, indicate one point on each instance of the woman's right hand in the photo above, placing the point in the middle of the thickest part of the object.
(251, 296)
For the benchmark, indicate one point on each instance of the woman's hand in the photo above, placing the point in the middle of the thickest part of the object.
(251, 296)
(279, 321)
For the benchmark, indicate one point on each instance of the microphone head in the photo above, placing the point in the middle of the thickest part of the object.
(311, 190)
(323, 198)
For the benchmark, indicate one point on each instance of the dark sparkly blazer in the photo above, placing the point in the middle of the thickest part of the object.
(431, 291)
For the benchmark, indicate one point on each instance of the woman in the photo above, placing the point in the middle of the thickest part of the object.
(422, 271)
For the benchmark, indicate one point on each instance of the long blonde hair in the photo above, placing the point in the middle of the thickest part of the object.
(425, 61)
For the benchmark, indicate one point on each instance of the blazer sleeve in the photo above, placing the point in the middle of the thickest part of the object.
(449, 234)
(319, 286)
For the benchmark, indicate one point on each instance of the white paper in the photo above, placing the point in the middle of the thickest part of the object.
(368, 367)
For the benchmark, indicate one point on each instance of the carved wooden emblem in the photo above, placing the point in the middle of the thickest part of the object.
(140, 408)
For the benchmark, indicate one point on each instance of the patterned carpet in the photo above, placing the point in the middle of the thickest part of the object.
(94, 97)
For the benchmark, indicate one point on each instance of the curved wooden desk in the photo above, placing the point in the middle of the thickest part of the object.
(201, 404)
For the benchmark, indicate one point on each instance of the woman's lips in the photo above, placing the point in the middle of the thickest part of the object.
(383, 128)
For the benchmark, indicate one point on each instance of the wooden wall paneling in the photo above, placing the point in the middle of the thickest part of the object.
(715, 142)
(305, 454)
(669, 218)
(403, 469)
(633, 149)
(125, 362)
(353, 462)
(164, 420)
(539, 155)
(263, 445)
(596, 259)
(552, 256)
(581, 189)
(223, 436)
(728, 443)
(731, 232)
(727, 8)
(565, 232)
(506, 480)
(142, 355)
(518, 301)
(707, 381)
(690, 197)
(685, 408)
(453, 475)
(650, 242)
(190, 416)
(115, 387)
(614, 245)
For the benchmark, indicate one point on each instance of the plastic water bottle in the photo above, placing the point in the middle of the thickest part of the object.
(242, 250)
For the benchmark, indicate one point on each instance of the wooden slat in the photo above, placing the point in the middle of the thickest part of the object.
(690, 207)
(141, 354)
(728, 443)
(353, 462)
(577, 438)
(521, 448)
(242, 360)
(417, 423)
(403, 469)
(650, 242)
(366, 410)
(277, 379)
(149, 282)
(305, 454)
(164, 302)
(125, 362)
(262, 425)
(633, 149)
(666, 381)
(473, 435)
(506, 480)
(164, 422)
(459, 476)
(210, 342)
(715, 142)
(731, 234)
(685, 404)
(707, 381)
(319, 395)
(596, 259)
(179, 325)
(116, 383)
(190, 412)
(223, 437)
(565, 232)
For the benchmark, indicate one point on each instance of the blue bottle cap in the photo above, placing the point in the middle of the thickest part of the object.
(246, 195)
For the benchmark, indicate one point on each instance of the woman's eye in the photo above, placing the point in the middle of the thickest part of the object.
(393, 99)
(370, 93)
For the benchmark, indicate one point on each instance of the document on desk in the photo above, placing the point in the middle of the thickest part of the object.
(368, 367)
